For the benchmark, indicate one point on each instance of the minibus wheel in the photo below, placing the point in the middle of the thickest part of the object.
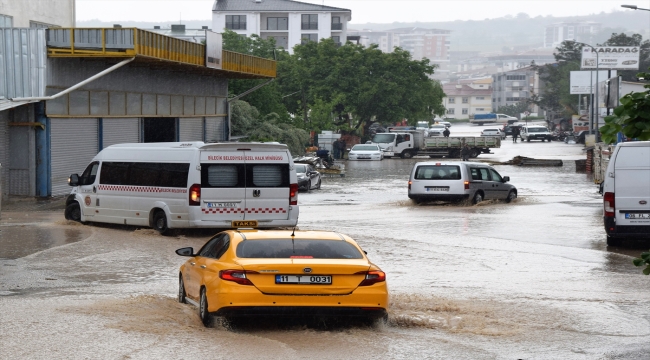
(73, 212)
(160, 222)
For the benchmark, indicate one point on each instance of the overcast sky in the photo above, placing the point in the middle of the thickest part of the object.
(363, 11)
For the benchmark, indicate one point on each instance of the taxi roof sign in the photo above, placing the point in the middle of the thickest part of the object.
(247, 224)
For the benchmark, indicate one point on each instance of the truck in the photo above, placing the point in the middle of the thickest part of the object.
(407, 144)
(480, 119)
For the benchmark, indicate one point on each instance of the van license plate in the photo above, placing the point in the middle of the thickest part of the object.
(303, 279)
(221, 205)
(637, 216)
(437, 188)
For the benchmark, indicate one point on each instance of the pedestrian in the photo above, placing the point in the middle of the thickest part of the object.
(446, 132)
(336, 149)
(464, 152)
(342, 148)
(515, 133)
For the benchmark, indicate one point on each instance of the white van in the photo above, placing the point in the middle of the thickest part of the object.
(626, 192)
(535, 132)
(187, 185)
(458, 180)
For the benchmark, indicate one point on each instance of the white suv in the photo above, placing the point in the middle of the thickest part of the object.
(535, 132)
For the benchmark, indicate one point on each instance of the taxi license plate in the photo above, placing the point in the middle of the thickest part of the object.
(637, 216)
(219, 205)
(438, 188)
(304, 279)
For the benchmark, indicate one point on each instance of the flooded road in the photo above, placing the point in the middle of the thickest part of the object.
(532, 279)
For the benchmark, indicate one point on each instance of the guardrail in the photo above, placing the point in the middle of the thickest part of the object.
(133, 42)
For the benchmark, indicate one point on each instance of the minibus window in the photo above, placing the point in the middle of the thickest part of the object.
(89, 175)
(223, 176)
(263, 175)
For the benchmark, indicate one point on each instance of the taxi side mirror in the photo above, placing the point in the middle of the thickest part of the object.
(186, 251)
(73, 180)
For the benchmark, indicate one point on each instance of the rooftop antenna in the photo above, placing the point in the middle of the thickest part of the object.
(293, 233)
(293, 244)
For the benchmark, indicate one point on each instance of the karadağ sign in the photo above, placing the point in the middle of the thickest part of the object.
(610, 57)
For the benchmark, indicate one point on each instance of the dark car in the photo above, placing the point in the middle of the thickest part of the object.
(507, 129)
(308, 177)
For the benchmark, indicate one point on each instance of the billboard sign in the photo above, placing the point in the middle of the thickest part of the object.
(611, 57)
(213, 46)
(582, 81)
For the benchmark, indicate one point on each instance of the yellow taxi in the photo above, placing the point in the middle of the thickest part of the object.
(253, 272)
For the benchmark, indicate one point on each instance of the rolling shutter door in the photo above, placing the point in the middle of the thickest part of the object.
(120, 131)
(215, 129)
(190, 129)
(73, 146)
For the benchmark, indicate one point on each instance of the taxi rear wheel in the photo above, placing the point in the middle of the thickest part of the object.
(181, 291)
(204, 314)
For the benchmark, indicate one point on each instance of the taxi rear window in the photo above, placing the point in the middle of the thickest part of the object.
(297, 249)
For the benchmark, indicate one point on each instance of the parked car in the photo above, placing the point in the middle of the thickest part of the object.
(535, 132)
(493, 132)
(445, 123)
(366, 152)
(507, 130)
(308, 177)
(437, 130)
(457, 181)
(626, 193)
(281, 273)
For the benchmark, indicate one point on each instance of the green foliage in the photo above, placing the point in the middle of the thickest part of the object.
(514, 109)
(247, 123)
(632, 117)
(643, 260)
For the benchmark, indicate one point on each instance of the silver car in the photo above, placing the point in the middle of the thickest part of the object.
(457, 181)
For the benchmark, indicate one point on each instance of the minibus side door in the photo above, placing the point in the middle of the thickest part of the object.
(88, 189)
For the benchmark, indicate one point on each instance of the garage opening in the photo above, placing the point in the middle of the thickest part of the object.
(160, 130)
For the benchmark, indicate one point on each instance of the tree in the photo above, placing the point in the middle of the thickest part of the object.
(643, 260)
(514, 109)
(632, 117)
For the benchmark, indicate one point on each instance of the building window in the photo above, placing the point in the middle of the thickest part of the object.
(236, 22)
(481, 98)
(495, 100)
(452, 100)
(277, 23)
(40, 25)
(515, 77)
(514, 98)
(305, 38)
(464, 111)
(309, 22)
(336, 23)
(450, 111)
(480, 109)
(6, 21)
(465, 100)
(337, 40)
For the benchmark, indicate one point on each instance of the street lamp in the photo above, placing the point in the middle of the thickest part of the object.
(634, 7)
(592, 87)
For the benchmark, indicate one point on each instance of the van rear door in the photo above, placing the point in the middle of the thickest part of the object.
(632, 186)
(267, 185)
(223, 185)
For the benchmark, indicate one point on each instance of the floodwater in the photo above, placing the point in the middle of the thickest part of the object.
(532, 279)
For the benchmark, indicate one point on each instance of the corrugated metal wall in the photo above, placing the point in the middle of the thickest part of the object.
(73, 146)
(191, 129)
(120, 131)
(4, 150)
(215, 129)
(23, 60)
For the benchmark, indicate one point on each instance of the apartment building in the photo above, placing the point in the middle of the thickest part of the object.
(463, 99)
(288, 22)
(513, 86)
(584, 31)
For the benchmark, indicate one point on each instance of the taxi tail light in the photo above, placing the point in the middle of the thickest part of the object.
(238, 276)
(195, 195)
(466, 183)
(609, 205)
(293, 194)
(372, 277)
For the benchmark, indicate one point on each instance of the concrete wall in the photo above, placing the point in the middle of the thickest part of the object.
(53, 12)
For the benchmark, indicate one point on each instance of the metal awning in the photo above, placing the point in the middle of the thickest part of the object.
(8, 104)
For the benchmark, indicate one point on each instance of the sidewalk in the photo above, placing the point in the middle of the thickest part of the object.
(17, 204)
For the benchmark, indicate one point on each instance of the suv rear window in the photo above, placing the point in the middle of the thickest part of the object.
(437, 172)
(298, 248)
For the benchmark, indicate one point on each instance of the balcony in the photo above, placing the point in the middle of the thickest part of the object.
(337, 26)
(147, 46)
